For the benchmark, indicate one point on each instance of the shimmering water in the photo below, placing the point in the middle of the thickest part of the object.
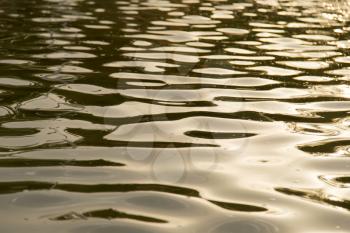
(195, 116)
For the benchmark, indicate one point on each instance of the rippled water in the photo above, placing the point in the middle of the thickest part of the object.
(215, 116)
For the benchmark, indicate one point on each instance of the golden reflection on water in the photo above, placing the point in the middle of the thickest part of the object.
(147, 116)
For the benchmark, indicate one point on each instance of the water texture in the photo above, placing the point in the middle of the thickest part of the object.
(195, 116)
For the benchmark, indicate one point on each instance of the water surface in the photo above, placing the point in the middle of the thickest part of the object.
(145, 116)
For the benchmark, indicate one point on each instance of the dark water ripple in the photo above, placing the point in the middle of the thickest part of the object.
(147, 116)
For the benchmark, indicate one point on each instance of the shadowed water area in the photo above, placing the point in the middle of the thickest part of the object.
(194, 116)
